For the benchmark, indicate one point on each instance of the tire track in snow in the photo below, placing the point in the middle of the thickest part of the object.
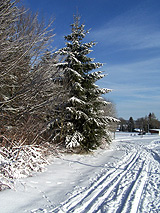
(93, 197)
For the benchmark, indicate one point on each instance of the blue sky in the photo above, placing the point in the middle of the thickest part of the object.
(127, 33)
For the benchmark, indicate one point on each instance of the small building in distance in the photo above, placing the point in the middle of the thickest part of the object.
(155, 131)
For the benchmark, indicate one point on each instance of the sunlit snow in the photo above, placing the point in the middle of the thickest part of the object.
(122, 178)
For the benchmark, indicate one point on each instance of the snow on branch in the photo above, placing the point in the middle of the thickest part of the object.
(74, 72)
(77, 113)
(95, 121)
(96, 75)
(105, 90)
(78, 86)
(112, 119)
(75, 100)
(74, 140)
(19, 162)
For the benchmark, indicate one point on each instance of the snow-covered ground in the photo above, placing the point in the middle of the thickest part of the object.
(124, 178)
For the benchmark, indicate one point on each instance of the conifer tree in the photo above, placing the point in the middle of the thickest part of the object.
(84, 123)
(131, 125)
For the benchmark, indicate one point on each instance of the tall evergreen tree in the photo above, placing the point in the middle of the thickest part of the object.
(131, 125)
(84, 123)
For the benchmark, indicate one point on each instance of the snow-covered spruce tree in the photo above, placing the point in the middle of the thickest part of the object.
(84, 123)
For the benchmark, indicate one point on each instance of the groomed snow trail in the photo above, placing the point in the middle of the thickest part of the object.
(132, 185)
(125, 178)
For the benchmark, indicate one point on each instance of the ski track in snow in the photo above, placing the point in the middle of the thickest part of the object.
(129, 184)
(121, 189)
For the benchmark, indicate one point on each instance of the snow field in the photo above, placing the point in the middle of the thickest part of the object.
(124, 178)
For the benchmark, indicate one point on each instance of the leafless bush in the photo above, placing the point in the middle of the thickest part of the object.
(28, 93)
(18, 160)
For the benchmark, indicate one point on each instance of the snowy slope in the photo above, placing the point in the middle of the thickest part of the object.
(124, 178)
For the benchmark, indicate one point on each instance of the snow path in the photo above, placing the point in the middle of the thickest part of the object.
(125, 178)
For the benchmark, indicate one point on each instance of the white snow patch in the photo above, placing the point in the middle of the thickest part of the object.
(124, 178)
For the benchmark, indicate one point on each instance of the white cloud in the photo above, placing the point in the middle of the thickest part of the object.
(134, 29)
(131, 44)
(145, 72)
(132, 37)
(136, 88)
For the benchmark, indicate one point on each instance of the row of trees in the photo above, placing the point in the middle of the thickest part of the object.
(143, 124)
(47, 95)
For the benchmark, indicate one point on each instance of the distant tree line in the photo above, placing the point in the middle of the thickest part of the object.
(141, 124)
(48, 95)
